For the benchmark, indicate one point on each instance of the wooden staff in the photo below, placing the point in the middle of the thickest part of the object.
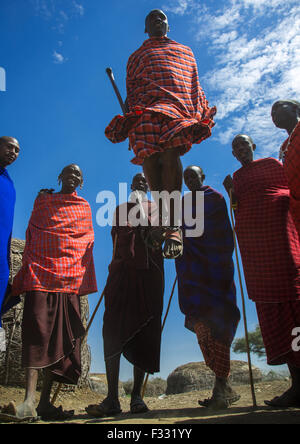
(243, 304)
(123, 105)
(163, 324)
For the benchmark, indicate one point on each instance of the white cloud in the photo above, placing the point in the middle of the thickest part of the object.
(58, 9)
(59, 14)
(58, 58)
(78, 8)
(257, 63)
(180, 7)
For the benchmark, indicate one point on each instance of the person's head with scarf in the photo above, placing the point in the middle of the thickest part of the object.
(9, 151)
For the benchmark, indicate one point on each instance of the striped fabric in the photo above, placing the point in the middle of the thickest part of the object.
(292, 171)
(165, 100)
(206, 289)
(267, 236)
(216, 354)
(277, 322)
(58, 256)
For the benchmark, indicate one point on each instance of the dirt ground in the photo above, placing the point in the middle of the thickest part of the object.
(175, 409)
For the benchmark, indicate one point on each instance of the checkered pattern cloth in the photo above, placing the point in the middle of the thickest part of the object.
(216, 354)
(277, 322)
(292, 171)
(168, 107)
(206, 289)
(58, 255)
(267, 236)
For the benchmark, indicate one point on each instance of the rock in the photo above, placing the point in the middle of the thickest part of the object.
(197, 376)
(98, 384)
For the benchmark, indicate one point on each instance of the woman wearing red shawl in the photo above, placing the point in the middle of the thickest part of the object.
(286, 115)
(57, 269)
(168, 112)
(270, 252)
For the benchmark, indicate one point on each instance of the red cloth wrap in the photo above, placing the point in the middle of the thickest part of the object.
(58, 255)
(267, 236)
(292, 171)
(277, 322)
(168, 106)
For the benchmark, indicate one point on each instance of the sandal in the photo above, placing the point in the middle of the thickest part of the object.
(8, 413)
(103, 409)
(219, 402)
(54, 413)
(173, 234)
(137, 405)
(278, 402)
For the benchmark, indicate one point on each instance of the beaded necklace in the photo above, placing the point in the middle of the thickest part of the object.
(283, 153)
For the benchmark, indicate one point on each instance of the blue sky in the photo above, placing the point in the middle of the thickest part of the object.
(58, 101)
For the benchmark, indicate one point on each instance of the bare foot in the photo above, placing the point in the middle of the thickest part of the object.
(108, 407)
(223, 396)
(25, 410)
(137, 405)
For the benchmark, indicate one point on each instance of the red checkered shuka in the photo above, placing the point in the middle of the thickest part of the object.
(215, 353)
(58, 255)
(266, 233)
(168, 106)
(277, 323)
(292, 171)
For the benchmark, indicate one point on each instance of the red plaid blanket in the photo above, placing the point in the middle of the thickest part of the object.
(162, 79)
(267, 236)
(292, 171)
(58, 255)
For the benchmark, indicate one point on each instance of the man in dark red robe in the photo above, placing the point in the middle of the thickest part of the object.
(168, 112)
(133, 302)
(286, 115)
(270, 251)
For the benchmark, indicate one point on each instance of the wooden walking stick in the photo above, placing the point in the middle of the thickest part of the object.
(163, 324)
(123, 105)
(88, 326)
(243, 305)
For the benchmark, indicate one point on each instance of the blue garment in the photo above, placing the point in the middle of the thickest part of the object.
(7, 207)
(205, 271)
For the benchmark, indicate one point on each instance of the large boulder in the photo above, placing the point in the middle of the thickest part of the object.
(98, 384)
(197, 376)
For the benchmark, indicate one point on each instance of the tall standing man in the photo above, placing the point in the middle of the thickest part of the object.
(206, 289)
(168, 112)
(133, 303)
(286, 115)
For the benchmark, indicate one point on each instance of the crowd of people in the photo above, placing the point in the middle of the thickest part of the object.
(167, 114)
